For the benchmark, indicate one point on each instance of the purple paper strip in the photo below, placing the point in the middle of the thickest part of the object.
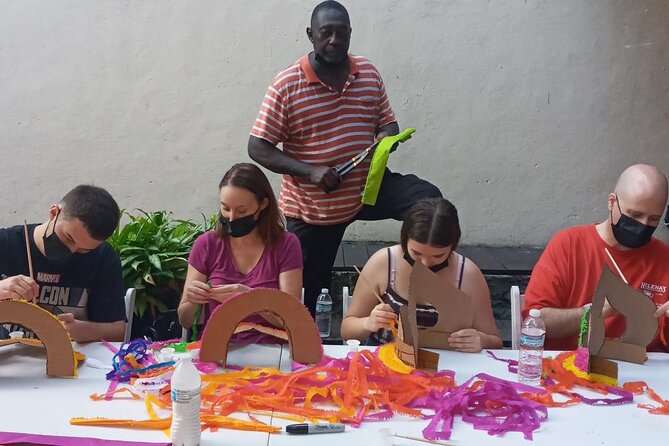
(58, 440)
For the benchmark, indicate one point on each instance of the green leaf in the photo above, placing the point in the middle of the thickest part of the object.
(140, 305)
(127, 259)
(155, 261)
(148, 279)
(154, 248)
(135, 264)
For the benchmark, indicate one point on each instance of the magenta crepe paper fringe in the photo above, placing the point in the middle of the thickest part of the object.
(582, 359)
(512, 364)
(58, 440)
(509, 411)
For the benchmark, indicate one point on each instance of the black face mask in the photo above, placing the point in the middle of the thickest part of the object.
(434, 268)
(323, 61)
(629, 232)
(240, 226)
(55, 250)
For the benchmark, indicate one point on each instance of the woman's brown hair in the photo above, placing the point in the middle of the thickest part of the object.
(271, 224)
(431, 221)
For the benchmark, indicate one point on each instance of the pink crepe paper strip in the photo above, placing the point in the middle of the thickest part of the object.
(58, 440)
(494, 405)
(512, 364)
(582, 359)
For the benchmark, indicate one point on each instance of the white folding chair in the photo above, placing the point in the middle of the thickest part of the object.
(517, 302)
(345, 300)
(129, 312)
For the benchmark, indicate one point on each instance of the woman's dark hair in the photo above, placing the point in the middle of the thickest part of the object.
(432, 221)
(271, 224)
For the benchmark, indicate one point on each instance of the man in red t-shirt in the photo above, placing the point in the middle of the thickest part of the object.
(565, 278)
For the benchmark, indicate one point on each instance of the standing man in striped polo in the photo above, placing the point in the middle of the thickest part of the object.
(325, 108)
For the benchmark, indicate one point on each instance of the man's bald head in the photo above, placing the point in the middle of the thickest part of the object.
(641, 192)
(643, 180)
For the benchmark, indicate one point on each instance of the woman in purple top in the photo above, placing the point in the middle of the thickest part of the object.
(249, 248)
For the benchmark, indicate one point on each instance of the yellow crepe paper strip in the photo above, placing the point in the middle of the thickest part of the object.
(151, 400)
(569, 365)
(33, 342)
(208, 421)
(389, 357)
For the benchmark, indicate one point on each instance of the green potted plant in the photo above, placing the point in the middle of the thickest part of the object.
(154, 248)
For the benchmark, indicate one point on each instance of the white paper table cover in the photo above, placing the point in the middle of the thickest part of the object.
(567, 426)
(32, 402)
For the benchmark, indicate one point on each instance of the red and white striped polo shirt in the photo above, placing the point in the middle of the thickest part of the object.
(320, 126)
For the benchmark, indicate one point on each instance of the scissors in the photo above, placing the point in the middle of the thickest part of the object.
(347, 166)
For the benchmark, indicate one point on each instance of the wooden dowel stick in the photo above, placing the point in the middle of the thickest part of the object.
(368, 284)
(409, 437)
(30, 258)
(622, 276)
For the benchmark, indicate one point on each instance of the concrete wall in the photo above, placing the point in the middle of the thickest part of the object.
(526, 110)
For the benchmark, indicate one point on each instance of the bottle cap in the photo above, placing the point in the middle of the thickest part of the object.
(535, 312)
(167, 353)
(183, 356)
(324, 290)
(353, 344)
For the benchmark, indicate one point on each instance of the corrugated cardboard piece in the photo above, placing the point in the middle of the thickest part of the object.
(303, 337)
(60, 360)
(639, 312)
(455, 309)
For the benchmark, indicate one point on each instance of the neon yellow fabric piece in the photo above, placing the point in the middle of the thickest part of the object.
(378, 165)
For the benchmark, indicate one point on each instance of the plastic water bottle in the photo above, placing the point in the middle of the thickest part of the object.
(324, 313)
(532, 335)
(185, 403)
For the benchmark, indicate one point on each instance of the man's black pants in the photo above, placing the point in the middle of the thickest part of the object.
(320, 243)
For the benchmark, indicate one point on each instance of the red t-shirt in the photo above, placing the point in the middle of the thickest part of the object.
(569, 268)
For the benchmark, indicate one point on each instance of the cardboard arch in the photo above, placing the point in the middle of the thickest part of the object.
(60, 360)
(303, 336)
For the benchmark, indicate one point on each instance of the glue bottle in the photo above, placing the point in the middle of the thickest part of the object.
(186, 382)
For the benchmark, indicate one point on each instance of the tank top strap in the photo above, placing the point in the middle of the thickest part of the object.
(461, 269)
(392, 270)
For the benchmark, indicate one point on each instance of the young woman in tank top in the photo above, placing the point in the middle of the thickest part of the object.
(430, 233)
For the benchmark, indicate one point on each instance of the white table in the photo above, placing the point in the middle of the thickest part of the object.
(574, 425)
(32, 402)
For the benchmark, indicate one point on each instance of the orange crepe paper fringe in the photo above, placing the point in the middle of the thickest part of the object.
(208, 421)
(640, 387)
(353, 389)
(557, 370)
(273, 331)
(565, 380)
